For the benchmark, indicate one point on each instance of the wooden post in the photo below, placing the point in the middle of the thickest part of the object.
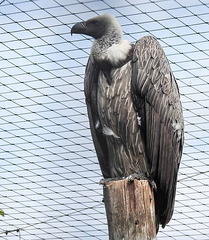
(130, 210)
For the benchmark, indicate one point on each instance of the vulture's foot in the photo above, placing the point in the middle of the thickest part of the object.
(138, 176)
(141, 176)
(103, 181)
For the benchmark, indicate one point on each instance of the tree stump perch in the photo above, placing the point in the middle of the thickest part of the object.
(130, 210)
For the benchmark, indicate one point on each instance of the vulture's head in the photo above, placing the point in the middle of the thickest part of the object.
(109, 50)
(97, 27)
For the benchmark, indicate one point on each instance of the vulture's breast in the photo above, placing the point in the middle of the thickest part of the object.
(120, 123)
(115, 104)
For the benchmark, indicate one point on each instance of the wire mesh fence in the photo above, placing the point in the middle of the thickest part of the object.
(48, 168)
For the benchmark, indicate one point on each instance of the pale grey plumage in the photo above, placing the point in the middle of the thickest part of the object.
(134, 111)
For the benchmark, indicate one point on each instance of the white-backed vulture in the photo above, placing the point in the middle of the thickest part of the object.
(134, 109)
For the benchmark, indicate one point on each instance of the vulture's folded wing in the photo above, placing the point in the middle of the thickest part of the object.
(156, 98)
(90, 88)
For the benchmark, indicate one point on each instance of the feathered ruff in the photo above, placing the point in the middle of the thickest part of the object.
(117, 54)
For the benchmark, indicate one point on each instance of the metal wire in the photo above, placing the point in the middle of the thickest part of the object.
(49, 172)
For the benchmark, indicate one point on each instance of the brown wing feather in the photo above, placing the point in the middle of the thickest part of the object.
(156, 99)
(90, 89)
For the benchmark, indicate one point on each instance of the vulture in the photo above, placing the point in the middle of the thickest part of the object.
(134, 110)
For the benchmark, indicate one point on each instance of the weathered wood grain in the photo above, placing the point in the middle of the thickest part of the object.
(130, 210)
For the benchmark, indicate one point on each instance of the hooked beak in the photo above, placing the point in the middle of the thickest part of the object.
(79, 28)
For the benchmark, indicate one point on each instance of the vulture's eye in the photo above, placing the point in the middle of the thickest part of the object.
(94, 22)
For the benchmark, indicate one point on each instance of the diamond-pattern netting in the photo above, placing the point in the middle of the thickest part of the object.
(48, 168)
